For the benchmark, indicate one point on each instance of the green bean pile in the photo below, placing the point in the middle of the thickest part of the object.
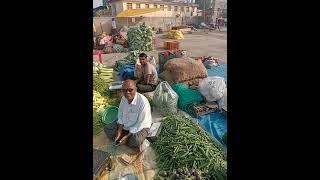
(183, 144)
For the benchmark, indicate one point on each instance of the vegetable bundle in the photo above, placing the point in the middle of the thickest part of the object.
(99, 102)
(102, 72)
(183, 144)
(99, 84)
(140, 38)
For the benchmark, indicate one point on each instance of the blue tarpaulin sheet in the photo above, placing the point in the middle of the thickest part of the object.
(220, 70)
(127, 71)
(215, 124)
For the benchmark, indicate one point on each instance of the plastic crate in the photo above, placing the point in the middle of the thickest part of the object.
(101, 160)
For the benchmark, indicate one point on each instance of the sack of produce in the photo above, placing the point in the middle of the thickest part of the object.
(223, 101)
(184, 69)
(165, 99)
(212, 88)
(175, 34)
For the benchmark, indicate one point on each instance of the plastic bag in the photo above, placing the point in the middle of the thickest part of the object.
(127, 71)
(152, 61)
(165, 99)
(212, 88)
(222, 103)
(138, 69)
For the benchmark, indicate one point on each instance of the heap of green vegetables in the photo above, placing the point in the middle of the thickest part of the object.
(140, 38)
(130, 59)
(99, 84)
(103, 72)
(183, 144)
(101, 78)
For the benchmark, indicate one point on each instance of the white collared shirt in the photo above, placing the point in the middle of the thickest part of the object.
(135, 116)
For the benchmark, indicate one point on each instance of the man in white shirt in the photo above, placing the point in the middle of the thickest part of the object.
(134, 118)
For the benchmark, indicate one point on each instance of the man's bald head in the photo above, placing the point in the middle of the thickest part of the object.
(129, 89)
(129, 82)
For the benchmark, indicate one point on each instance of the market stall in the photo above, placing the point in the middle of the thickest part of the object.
(191, 142)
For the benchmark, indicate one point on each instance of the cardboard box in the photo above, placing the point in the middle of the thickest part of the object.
(154, 131)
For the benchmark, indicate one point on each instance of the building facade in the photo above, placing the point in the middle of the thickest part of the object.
(220, 9)
(168, 9)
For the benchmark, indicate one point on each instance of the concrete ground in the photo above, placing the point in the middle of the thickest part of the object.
(144, 167)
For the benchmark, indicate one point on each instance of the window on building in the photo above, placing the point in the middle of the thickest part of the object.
(182, 9)
(137, 6)
(175, 8)
(129, 5)
(169, 8)
(155, 6)
(188, 10)
(147, 5)
(162, 7)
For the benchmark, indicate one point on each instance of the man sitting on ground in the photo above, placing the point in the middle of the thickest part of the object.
(149, 79)
(134, 118)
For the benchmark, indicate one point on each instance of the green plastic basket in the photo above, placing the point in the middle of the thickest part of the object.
(110, 115)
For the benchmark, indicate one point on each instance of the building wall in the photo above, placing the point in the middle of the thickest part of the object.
(219, 4)
(116, 7)
(122, 6)
(157, 22)
(157, 14)
(102, 24)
